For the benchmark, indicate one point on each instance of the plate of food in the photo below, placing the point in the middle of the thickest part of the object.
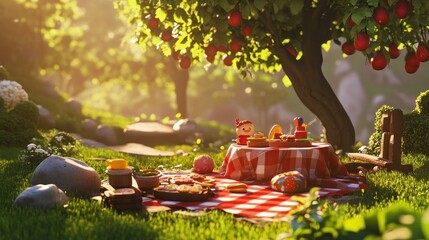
(183, 193)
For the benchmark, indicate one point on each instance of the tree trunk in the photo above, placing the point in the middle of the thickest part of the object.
(180, 79)
(307, 77)
(180, 86)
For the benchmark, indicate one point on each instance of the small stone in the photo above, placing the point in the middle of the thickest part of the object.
(42, 196)
(89, 126)
(106, 135)
(75, 106)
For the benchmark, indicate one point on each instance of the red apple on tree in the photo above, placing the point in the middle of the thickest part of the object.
(153, 23)
(394, 52)
(166, 35)
(361, 41)
(422, 52)
(211, 50)
(247, 30)
(348, 48)
(235, 45)
(227, 60)
(402, 9)
(378, 62)
(381, 16)
(411, 62)
(185, 62)
(234, 18)
(210, 58)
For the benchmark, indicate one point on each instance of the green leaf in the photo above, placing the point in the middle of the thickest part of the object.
(286, 81)
(373, 3)
(160, 14)
(180, 16)
(260, 4)
(355, 224)
(296, 6)
(227, 5)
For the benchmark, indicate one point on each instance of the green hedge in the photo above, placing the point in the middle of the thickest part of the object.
(416, 125)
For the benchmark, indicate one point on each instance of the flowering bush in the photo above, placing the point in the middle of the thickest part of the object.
(35, 153)
(61, 144)
(12, 93)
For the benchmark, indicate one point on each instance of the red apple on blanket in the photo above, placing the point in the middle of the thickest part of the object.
(289, 182)
(203, 164)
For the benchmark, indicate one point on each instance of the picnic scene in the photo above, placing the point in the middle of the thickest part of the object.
(228, 119)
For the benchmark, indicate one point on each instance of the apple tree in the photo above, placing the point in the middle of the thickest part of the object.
(288, 36)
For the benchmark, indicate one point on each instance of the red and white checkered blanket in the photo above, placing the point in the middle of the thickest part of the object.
(260, 201)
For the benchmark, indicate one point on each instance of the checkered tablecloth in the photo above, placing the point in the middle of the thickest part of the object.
(261, 164)
(260, 201)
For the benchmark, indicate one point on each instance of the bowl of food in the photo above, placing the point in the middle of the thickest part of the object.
(147, 179)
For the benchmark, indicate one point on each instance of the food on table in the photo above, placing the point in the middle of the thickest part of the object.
(300, 128)
(257, 140)
(184, 188)
(237, 188)
(244, 129)
(181, 180)
(289, 182)
(203, 164)
(287, 137)
(197, 177)
(275, 132)
(147, 172)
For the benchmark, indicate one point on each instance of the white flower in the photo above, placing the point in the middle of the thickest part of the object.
(12, 93)
(39, 150)
(31, 146)
(59, 138)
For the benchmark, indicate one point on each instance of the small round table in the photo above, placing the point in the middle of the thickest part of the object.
(261, 164)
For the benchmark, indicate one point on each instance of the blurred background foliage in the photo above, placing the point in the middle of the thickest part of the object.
(85, 50)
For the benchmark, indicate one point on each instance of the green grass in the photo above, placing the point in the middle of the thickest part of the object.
(89, 219)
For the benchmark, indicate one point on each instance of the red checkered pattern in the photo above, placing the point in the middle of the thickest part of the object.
(261, 164)
(319, 165)
(260, 201)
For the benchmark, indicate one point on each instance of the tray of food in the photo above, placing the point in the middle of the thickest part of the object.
(183, 192)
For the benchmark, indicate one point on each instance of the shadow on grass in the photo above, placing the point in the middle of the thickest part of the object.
(422, 173)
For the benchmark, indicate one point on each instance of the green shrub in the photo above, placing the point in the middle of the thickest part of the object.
(415, 135)
(19, 126)
(4, 74)
(375, 138)
(422, 103)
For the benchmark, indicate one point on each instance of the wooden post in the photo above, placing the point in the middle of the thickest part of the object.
(396, 129)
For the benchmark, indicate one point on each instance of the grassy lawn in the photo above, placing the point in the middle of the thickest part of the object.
(88, 219)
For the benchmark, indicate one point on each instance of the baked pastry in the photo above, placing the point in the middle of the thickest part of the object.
(237, 188)
(258, 140)
(287, 138)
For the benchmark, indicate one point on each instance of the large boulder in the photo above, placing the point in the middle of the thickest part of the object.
(42, 196)
(69, 174)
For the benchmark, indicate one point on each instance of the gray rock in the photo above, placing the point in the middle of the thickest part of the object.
(69, 174)
(42, 196)
(185, 126)
(89, 126)
(46, 120)
(75, 106)
(106, 135)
